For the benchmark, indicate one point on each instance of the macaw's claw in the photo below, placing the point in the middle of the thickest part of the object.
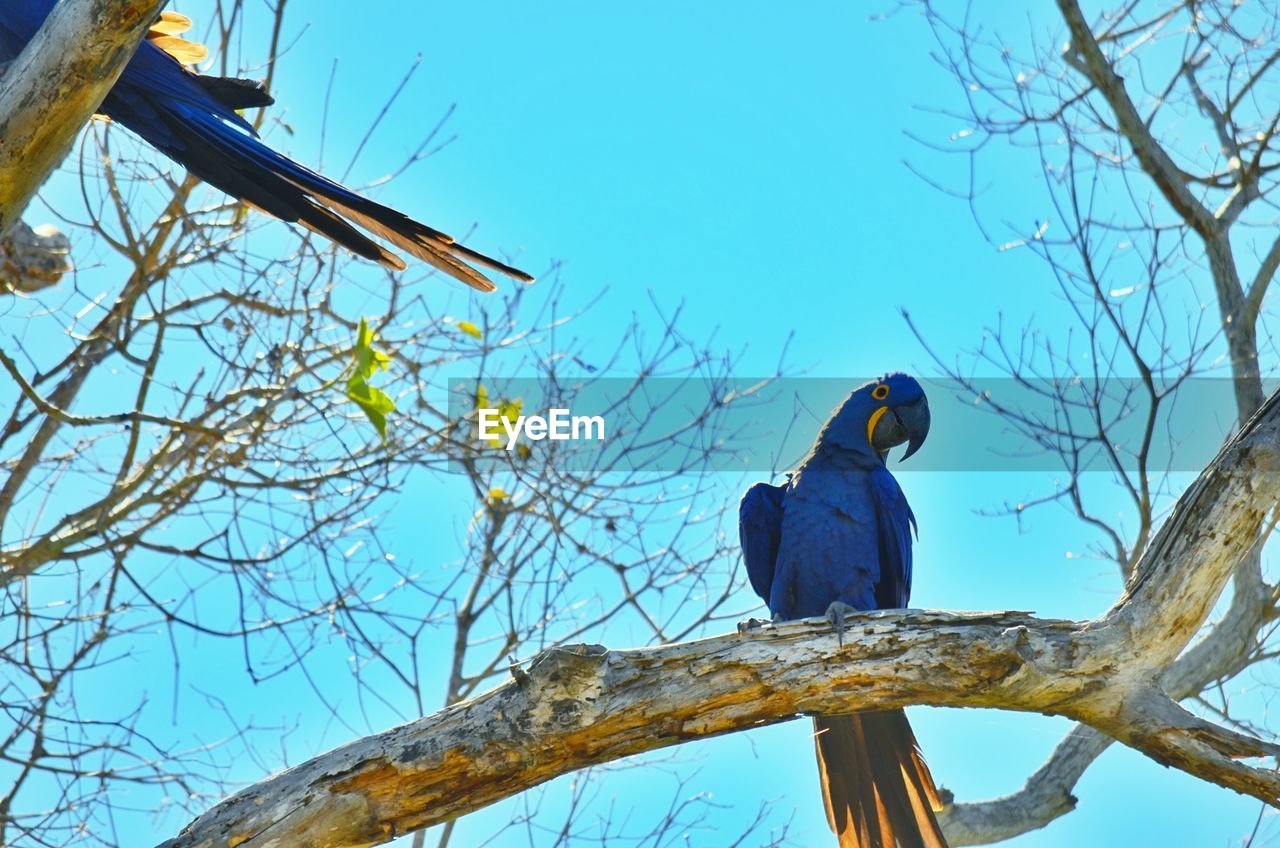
(836, 614)
(753, 624)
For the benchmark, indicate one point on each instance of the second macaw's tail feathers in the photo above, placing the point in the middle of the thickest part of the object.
(239, 164)
(426, 243)
(875, 784)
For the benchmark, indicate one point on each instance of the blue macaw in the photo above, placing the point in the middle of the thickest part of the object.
(192, 119)
(836, 537)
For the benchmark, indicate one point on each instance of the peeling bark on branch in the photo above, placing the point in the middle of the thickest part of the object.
(56, 85)
(587, 705)
(1047, 794)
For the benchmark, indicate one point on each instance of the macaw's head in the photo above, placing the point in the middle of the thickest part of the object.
(878, 416)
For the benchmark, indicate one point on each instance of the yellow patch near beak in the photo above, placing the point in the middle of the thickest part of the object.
(871, 423)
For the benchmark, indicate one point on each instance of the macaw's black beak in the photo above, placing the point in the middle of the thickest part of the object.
(907, 423)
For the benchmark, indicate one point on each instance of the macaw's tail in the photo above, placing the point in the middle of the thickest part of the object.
(876, 786)
(241, 165)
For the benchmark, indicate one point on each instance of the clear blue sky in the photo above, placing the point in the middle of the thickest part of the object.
(745, 159)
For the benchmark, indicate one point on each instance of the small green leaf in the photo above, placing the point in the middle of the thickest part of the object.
(375, 403)
(470, 329)
(367, 361)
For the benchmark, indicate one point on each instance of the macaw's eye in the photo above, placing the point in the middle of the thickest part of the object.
(880, 392)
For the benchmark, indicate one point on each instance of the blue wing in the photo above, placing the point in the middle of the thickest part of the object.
(895, 524)
(760, 529)
(193, 119)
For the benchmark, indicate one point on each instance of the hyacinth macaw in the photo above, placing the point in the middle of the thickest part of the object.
(837, 535)
(192, 119)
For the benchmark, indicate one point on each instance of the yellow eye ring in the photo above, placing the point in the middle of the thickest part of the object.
(880, 392)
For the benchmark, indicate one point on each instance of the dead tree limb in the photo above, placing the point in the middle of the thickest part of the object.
(586, 705)
(56, 85)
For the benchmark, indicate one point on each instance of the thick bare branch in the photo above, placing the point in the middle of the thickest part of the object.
(1085, 55)
(56, 85)
(1045, 796)
(1103, 120)
(1261, 282)
(579, 707)
(1229, 646)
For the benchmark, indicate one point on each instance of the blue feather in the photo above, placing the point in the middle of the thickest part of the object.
(895, 523)
(760, 530)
